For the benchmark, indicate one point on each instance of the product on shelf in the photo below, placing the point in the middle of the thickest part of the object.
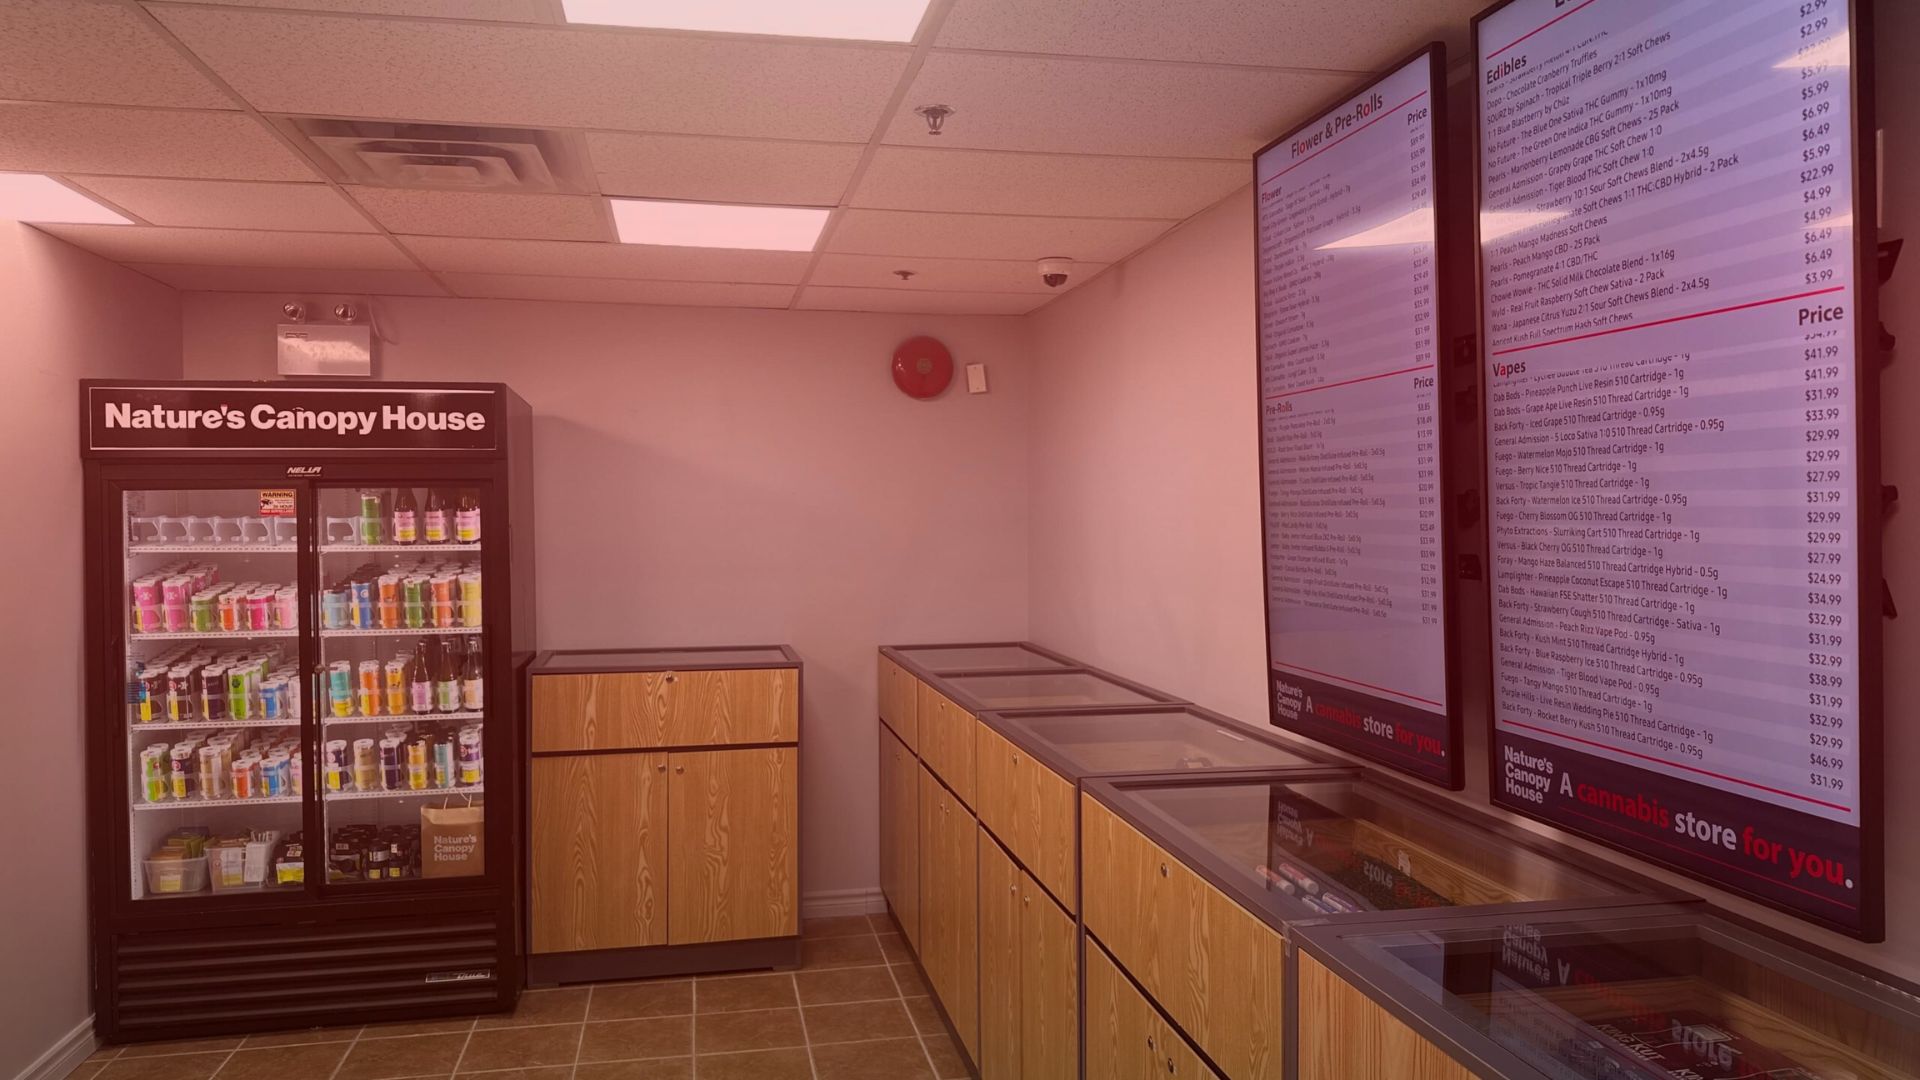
(408, 756)
(401, 516)
(251, 763)
(191, 858)
(416, 594)
(187, 684)
(370, 853)
(439, 675)
(189, 597)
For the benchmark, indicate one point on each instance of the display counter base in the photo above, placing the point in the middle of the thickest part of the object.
(604, 965)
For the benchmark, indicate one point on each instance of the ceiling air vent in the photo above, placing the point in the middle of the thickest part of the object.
(454, 157)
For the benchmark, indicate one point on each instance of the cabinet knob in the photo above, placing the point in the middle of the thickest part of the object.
(1028, 900)
(662, 766)
(683, 768)
(1010, 890)
(1150, 1045)
(1170, 1068)
(1163, 869)
(1016, 759)
(671, 677)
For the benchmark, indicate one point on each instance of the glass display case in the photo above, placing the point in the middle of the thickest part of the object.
(1146, 739)
(1654, 993)
(1348, 846)
(717, 657)
(935, 660)
(1067, 688)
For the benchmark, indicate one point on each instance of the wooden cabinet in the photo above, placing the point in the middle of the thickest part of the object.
(1208, 962)
(1000, 944)
(733, 862)
(598, 851)
(1029, 807)
(664, 811)
(1345, 1035)
(900, 833)
(947, 741)
(949, 906)
(1127, 1039)
(614, 710)
(1029, 981)
(631, 710)
(899, 702)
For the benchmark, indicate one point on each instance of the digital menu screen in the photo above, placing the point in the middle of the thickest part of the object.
(1350, 459)
(1680, 439)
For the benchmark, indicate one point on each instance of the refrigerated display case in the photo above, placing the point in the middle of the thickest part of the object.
(303, 607)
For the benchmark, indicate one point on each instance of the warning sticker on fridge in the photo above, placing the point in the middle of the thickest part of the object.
(276, 502)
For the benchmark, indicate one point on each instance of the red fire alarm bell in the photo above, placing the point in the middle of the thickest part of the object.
(922, 367)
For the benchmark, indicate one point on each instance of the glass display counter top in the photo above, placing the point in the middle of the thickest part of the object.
(1071, 688)
(984, 656)
(587, 661)
(1355, 847)
(1656, 994)
(1142, 739)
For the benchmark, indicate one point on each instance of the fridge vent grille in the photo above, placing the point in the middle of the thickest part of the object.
(169, 982)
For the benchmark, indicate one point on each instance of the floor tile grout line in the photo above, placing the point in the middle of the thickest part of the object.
(472, 1026)
(351, 1043)
(580, 1043)
(806, 1036)
(693, 1030)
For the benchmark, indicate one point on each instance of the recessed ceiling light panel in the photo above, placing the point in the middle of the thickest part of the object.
(39, 199)
(718, 225)
(857, 20)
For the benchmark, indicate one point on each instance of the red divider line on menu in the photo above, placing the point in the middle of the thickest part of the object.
(1678, 765)
(1357, 682)
(1347, 136)
(1350, 382)
(1691, 853)
(1534, 31)
(1673, 319)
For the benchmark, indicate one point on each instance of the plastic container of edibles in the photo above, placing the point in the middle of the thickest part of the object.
(170, 876)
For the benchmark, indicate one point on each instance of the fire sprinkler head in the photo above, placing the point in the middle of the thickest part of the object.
(935, 116)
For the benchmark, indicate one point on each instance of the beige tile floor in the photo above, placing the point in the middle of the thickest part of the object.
(856, 1009)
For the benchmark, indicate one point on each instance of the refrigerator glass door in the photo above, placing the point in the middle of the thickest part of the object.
(211, 624)
(402, 688)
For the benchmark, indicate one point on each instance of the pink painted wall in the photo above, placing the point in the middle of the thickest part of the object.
(67, 315)
(711, 476)
(1146, 537)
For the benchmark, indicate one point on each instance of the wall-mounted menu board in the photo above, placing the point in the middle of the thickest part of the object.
(1684, 513)
(1351, 467)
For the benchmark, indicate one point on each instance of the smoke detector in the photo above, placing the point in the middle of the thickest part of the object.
(456, 157)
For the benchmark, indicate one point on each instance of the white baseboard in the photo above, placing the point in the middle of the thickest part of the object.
(827, 905)
(64, 1056)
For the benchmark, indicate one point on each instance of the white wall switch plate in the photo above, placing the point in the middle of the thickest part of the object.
(976, 378)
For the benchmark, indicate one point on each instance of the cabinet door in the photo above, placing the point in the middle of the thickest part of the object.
(711, 708)
(1049, 986)
(610, 711)
(998, 789)
(1346, 1035)
(733, 845)
(1001, 940)
(598, 845)
(1173, 1057)
(947, 741)
(949, 907)
(1048, 805)
(899, 701)
(900, 833)
(1118, 1019)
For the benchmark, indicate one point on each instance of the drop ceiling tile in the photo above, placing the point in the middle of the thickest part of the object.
(915, 301)
(990, 236)
(503, 215)
(1358, 35)
(943, 275)
(234, 247)
(617, 291)
(229, 204)
(645, 261)
(144, 142)
(276, 279)
(993, 182)
(722, 170)
(543, 76)
(1107, 107)
(84, 51)
(530, 11)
